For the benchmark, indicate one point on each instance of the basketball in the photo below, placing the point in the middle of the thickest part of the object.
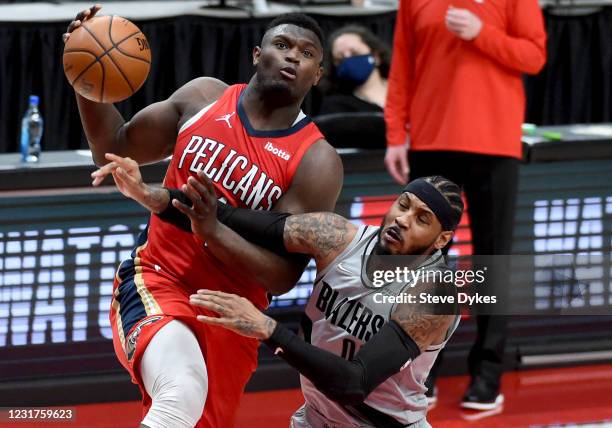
(107, 59)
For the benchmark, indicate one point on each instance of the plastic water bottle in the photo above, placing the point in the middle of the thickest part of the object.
(31, 132)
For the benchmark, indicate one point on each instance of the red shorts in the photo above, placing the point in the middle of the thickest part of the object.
(142, 304)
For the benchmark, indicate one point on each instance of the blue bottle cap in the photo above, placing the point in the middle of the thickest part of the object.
(34, 99)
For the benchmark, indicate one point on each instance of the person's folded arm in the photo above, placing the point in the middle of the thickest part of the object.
(523, 46)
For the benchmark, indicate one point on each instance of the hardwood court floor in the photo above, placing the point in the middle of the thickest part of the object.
(565, 397)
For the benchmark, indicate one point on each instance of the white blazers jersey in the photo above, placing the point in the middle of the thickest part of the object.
(341, 315)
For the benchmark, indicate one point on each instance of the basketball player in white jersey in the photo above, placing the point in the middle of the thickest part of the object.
(364, 360)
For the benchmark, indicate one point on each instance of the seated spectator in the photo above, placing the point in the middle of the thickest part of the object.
(358, 69)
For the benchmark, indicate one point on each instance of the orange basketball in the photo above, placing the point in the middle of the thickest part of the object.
(107, 59)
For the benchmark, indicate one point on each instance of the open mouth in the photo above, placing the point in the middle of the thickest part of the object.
(393, 234)
(288, 73)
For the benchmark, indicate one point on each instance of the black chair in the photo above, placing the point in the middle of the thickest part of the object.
(353, 130)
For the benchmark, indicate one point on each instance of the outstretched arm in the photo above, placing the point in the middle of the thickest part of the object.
(348, 382)
(321, 235)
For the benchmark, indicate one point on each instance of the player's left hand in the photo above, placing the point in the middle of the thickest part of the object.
(463, 23)
(235, 313)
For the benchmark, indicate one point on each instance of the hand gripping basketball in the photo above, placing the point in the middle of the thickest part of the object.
(106, 58)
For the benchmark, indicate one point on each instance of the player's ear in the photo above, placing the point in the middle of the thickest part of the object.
(443, 239)
(318, 75)
(256, 54)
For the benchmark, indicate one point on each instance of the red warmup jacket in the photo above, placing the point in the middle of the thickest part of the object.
(463, 95)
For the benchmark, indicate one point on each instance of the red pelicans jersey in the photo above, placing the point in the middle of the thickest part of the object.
(249, 168)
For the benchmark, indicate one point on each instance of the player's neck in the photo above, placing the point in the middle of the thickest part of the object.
(267, 111)
(382, 261)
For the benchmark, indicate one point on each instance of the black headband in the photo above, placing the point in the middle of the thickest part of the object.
(427, 193)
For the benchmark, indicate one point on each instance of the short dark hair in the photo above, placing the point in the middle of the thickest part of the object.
(299, 20)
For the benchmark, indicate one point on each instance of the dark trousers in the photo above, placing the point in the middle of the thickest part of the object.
(490, 184)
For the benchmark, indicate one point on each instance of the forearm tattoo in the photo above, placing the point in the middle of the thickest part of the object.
(426, 322)
(158, 199)
(422, 328)
(254, 329)
(319, 234)
(244, 326)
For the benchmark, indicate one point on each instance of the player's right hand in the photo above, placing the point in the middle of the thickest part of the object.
(234, 313)
(82, 16)
(396, 161)
(203, 213)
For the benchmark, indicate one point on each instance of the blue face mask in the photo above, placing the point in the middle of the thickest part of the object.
(356, 69)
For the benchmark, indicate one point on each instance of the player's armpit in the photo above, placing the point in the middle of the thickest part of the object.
(424, 321)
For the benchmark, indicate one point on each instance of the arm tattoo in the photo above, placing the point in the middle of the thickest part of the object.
(244, 326)
(157, 200)
(319, 234)
(422, 328)
(426, 322)
(256, 330)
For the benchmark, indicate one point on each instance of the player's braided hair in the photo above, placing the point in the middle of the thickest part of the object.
(450, 191)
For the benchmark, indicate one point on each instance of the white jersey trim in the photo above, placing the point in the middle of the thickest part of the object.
(193, 119)
(301, 115)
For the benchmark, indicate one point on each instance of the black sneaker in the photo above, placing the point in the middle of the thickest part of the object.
(482, 395)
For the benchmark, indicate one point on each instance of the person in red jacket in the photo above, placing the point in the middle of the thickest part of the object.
(455, 105)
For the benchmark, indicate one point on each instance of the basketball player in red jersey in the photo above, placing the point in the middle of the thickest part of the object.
(261, 152)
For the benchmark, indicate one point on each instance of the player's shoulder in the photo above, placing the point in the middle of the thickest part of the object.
(199, 91)
(322, 154)
(318, 177)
